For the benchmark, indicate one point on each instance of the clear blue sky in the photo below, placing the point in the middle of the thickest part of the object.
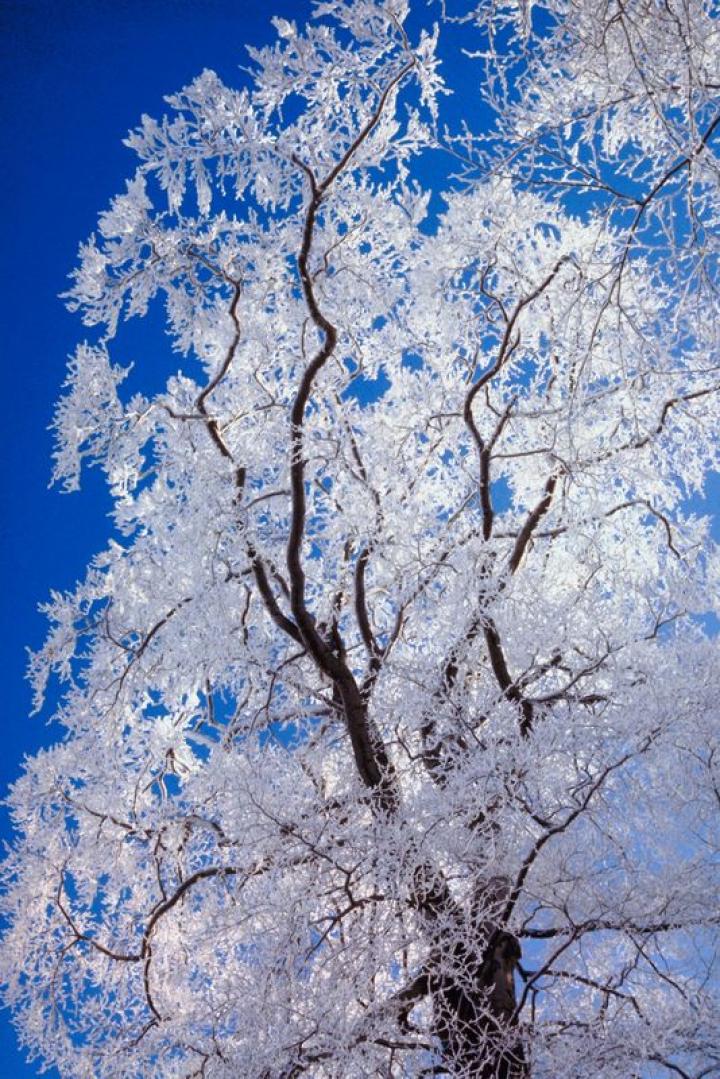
(77, 74)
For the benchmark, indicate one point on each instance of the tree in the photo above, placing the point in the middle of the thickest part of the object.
(389, 743)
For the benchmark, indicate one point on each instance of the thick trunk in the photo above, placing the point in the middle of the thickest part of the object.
(474, 1004)
(472, 982)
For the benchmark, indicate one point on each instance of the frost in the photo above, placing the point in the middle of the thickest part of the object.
(89, 415)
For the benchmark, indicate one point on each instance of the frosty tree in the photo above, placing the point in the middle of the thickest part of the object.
(390, 742)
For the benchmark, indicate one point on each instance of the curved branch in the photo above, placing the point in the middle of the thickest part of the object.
(370, 754)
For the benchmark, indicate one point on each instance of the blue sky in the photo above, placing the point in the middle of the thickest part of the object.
(77, 74)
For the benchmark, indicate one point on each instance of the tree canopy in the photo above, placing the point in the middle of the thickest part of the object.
(389, 712)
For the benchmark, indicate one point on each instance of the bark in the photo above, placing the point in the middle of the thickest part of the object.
(471, 977)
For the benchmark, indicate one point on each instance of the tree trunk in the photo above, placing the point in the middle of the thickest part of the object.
(472, 982)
